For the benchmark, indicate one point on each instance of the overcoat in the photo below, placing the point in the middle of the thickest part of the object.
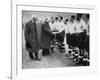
(46, 35)
(31, 37)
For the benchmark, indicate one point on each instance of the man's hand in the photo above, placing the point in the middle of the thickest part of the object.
(55, 32)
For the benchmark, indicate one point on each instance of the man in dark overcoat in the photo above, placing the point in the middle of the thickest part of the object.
(31, 38)
(46, 38)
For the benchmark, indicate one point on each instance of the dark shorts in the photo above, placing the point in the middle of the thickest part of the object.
(60, 37)
(81, 40)
(68, 38)
(73, 39)
(87, 43)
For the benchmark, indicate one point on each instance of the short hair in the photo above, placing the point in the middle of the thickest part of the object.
(56, 18)
(87, 16)
(66, 20)
(73, 16)
(79, 15)
(61, 17)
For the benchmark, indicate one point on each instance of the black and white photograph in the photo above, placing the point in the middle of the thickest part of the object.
(50, 40)
(55, 39)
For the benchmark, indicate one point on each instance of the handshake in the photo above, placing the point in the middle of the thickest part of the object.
(55, 32)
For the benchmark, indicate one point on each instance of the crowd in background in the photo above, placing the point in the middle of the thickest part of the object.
(69, 36)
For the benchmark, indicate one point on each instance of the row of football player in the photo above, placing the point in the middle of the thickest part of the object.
(76, 36)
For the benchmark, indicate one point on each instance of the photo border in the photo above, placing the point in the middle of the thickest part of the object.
(12, 67)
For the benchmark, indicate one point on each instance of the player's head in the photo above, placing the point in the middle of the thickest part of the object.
(66, 21)
(52, 19)
(56, 19)
(60, 18)
(78, 16)
(87, 16)
(72, 18)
